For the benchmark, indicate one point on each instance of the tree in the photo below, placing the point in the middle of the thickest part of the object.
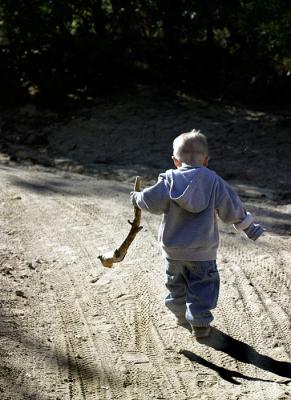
(59, 48)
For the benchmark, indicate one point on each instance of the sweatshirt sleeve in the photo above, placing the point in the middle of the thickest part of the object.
(229, 207)
(231, 210)
(154, 199)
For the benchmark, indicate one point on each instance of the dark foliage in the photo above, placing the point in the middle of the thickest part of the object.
(80, 48)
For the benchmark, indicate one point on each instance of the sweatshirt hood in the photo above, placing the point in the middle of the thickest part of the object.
(191, 187)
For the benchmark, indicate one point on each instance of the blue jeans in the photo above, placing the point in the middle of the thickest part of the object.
(193, 290)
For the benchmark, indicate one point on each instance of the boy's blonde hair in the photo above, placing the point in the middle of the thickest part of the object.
(190, 146)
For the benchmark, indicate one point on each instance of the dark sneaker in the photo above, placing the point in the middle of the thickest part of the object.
(201, 331)
(181, 321)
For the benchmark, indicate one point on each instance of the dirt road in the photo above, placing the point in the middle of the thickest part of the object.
(71, 329)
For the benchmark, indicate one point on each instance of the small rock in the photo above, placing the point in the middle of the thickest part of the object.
(94, 280)
(7, 270)
(31, 265)
(20, 293)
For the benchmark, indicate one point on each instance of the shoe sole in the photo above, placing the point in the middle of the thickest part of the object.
(201, 333)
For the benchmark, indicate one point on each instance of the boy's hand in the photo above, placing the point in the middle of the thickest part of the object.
(131, 198)
(254, 231)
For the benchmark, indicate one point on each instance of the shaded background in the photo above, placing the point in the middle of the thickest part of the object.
(103, 87)
(52, 51)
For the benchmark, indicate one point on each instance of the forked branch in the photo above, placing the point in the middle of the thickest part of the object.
(108, 259)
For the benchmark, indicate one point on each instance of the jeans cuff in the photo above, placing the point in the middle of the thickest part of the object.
(200, 322)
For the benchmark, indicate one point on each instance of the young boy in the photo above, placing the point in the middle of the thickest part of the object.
(189, 198)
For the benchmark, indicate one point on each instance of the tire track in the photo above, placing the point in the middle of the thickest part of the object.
(143, 336)
(256, 278)
(75, 326)
(28, 340)
(94, 377)
(122, 316)
(254, 306)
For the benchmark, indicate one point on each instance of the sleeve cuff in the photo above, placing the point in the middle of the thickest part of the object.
(245, 223)
(133, 199)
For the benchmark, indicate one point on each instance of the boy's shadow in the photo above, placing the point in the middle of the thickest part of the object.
(241, 352)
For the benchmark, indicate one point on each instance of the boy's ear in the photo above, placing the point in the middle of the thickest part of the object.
(205, 162)
(176, 162)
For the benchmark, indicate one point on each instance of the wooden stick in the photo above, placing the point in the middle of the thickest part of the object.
(118, 255)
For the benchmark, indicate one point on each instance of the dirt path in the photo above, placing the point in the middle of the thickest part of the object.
(71, 329)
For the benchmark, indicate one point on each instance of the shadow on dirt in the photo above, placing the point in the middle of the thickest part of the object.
(121, 135)
(274, 221)
(241, 352)
(224, 373)
(48, 184)
(69, 367)
(69, 185)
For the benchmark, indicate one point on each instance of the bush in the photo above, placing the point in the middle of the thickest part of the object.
(82, 47)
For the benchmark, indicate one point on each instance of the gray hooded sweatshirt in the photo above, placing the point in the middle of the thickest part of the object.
(190, 198)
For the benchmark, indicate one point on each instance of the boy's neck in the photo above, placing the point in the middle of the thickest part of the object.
(191, 165)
